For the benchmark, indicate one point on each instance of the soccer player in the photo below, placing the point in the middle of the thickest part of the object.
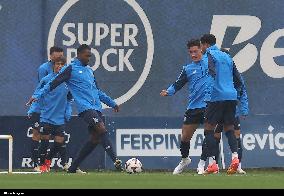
(34, 110)
(241, 112)
(100, 97)
(55, 111)
(80, 81)
(196, 75)
(222, 100)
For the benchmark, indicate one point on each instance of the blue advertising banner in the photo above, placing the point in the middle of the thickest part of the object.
(154, 141)
(76, 134)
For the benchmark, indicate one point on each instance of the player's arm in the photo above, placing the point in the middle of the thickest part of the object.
(177, 85)
(68, 109)
(63, 76)
(107, 99)
(237, 78)
(41, 73)
(211, 66)
(243, 99)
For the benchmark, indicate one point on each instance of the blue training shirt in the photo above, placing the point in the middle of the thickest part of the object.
(80, 81)
(220, 64)
(196, 75)
(55, 105)
(43, 70)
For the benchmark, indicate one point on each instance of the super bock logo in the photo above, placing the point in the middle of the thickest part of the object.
(121, 40)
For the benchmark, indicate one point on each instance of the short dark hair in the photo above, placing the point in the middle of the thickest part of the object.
(83, 47)
(208, 39)
(61, 59)
(55, 49)
(225, 50)
(193, 42)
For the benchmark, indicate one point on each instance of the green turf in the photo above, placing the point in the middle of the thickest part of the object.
(254, 179)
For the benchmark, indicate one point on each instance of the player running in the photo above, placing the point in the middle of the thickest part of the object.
(34, 110)
(80, 81)
(195, 74)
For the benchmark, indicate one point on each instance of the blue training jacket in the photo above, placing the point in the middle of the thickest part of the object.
(43, 70)
(80, 81)
(101, 97)
(221, 87)
(196, 74)
(55, 105)
(242, 107)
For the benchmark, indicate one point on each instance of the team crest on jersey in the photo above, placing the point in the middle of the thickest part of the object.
(36, 124)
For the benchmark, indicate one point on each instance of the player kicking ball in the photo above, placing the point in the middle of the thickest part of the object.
(195, 74)
(80, 80)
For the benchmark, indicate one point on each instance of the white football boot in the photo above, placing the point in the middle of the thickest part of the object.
(200, 171)
(182, 165)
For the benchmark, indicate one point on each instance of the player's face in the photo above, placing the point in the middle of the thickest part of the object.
(58, 65)
(55, 56)
(85, 56)
(195, 53)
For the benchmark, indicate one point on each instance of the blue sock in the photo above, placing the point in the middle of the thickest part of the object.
(35, 152)
(232, 140)
(240, 149)
(107, 146)
(184, 149)
(43, 150)
(84, 152)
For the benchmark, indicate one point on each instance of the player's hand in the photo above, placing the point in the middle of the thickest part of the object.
(164, 93)
(31, 100)
(116, 108)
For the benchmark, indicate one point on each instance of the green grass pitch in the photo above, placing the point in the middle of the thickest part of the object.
(151, 180)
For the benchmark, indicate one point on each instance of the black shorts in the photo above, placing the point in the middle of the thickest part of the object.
(34, 120)
(194, 116)
(53, 130)
(92, 117)
(221, 112)
(237, 126)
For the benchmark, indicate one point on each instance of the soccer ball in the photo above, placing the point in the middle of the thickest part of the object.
(133, 165)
